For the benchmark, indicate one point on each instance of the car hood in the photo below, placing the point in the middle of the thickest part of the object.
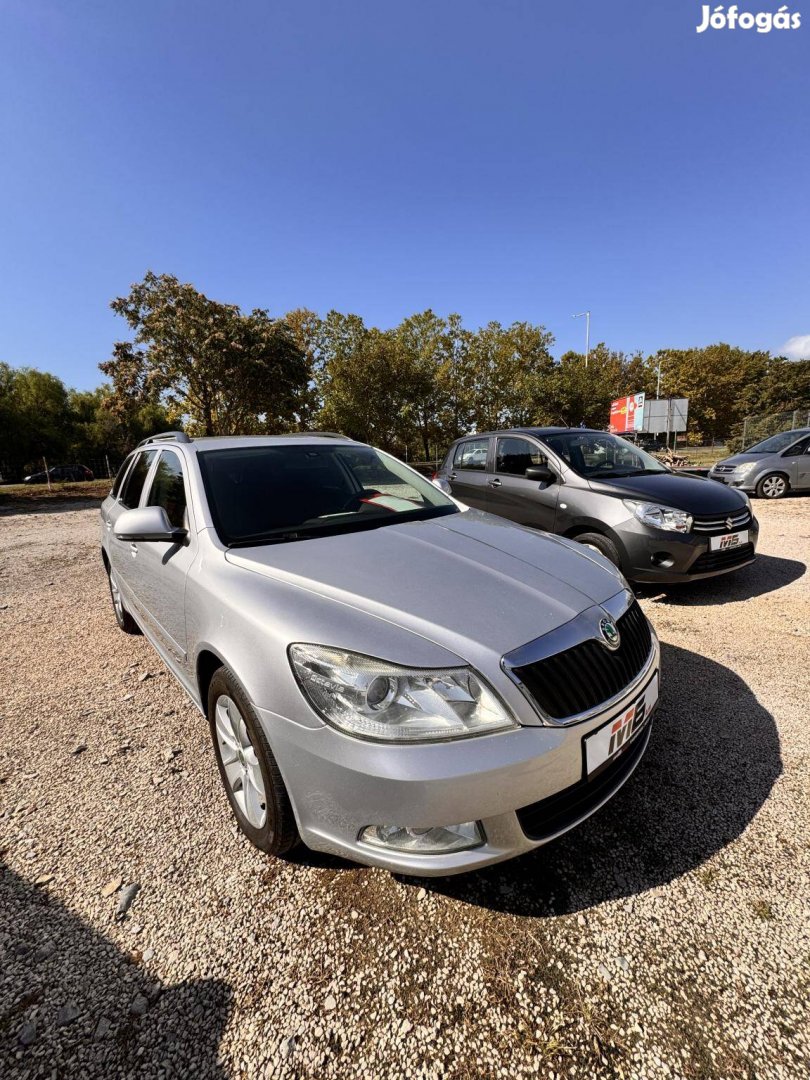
(738, 459)
(694, 494)
(465, 578)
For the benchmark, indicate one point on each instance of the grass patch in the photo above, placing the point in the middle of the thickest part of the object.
(22, 494)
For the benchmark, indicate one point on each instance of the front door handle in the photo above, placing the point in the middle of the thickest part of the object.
(133, 549)
(452, 476)
(494, 483)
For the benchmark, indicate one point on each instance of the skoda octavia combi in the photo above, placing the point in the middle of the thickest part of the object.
(387, 675)
(607, 494)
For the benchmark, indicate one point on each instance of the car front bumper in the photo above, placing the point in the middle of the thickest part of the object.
(747, 483)
(669, 558)
(339, 785)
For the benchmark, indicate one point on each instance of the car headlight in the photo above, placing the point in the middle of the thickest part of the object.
(745, 468)
(660, 517)
(373, 699)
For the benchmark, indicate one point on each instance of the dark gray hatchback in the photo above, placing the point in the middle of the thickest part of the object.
(602, 491)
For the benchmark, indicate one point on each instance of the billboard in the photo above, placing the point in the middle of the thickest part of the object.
(627, 414)
(666, 415)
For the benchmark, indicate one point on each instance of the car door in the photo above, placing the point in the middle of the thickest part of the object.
(511, 494)
(468, 473)
(122, 553)
(791, 463)
(803, 469)
(163, 565)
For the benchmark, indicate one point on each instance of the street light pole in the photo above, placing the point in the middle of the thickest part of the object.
(587, 317)
(658, 388)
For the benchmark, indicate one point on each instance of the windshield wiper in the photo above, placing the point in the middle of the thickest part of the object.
(271, 538)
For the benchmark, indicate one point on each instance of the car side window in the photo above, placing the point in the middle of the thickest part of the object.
(471, 455)
(797, 448)
(168, 490)
(133, 487)
(514, 456)
(119, 476)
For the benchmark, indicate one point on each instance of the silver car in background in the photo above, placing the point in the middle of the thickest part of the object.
(387, 676)
(771, 468)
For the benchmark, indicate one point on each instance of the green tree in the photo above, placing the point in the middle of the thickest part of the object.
(716, 379)
(364, 384)
(505, 373)
(226, 371)
(425, 343)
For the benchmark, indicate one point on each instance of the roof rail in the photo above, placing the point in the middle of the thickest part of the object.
(309, 434)
(166, 436)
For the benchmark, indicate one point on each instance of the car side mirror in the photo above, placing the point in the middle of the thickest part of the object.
(541, 473)
(150, 523)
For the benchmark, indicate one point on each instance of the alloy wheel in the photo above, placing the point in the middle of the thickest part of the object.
(116, 597)
(239, 759)
(774, 487)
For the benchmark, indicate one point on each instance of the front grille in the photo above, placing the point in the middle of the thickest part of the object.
(588, 674)
(724, 468)
(717, 524)
(559, 812)
(722, 560)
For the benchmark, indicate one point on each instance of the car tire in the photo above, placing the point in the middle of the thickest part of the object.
(247, 768)
(773, 486)
(122, 616)
(603, 545)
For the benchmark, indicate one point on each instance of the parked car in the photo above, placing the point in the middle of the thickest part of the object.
(607, 494)
(386, 675)
(60, 473)
(771, 468)
(647, 441)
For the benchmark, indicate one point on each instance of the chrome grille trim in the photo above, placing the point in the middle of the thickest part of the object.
(719, 523)
(583, 630)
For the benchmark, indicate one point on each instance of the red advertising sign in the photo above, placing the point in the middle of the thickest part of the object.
(626, 414)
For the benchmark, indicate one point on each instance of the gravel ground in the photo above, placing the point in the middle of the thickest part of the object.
(668, 936)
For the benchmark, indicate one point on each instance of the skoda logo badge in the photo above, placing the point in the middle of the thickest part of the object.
(610, 633)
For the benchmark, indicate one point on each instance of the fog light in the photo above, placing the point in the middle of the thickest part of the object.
(437, 840)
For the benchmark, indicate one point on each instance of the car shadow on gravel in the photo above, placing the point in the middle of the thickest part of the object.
(713, 758)
(73, 1004)
(766, 574)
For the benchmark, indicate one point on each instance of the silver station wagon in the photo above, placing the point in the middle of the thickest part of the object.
(388, 675)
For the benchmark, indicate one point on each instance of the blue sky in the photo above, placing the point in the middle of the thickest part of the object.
(506, 160)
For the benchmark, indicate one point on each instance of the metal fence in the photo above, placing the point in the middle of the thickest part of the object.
(756, 428)
(103, 467)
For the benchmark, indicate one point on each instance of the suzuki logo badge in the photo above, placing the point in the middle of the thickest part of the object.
(729, 522)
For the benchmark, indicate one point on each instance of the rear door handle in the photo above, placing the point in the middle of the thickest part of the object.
(494, 483)
(452, 476)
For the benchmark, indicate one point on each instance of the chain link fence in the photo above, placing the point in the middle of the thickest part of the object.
(102, 466)
(757, 428)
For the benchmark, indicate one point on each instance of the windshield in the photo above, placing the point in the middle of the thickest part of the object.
(597, 455)
(262, 494)
(776, 443)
